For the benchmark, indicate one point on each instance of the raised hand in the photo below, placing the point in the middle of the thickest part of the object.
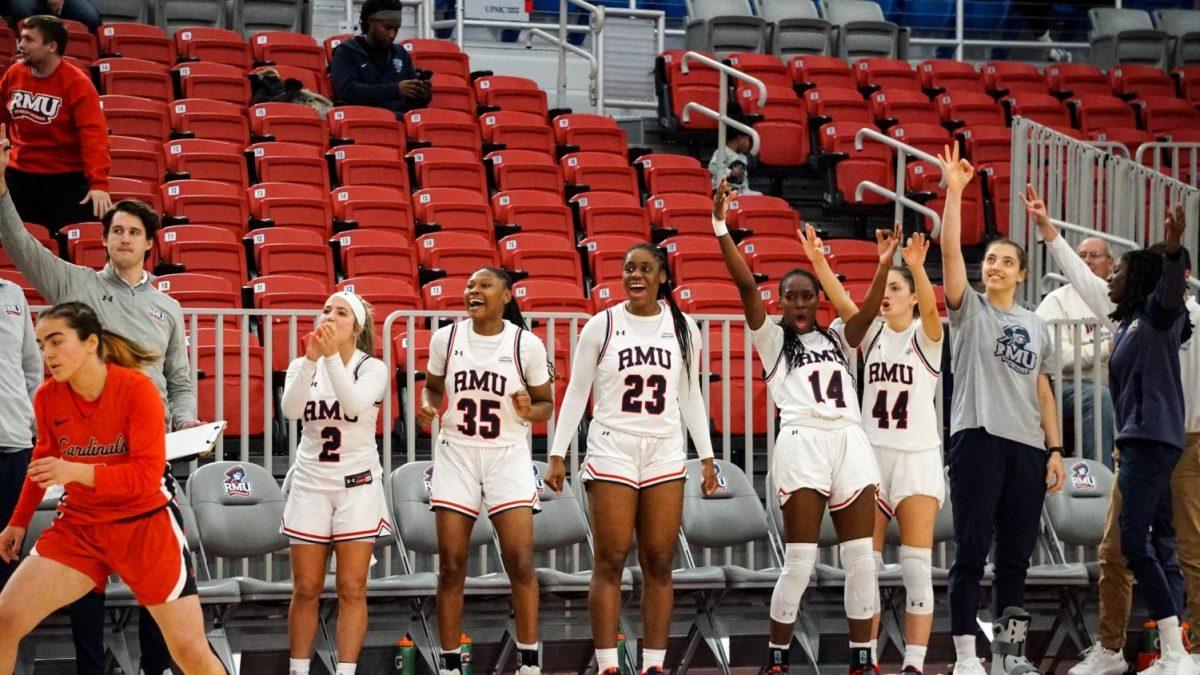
(957, 170)
(326, 339)
(721, 198)
(1175, 225)
(1036, 208)
(915, 250)
(814, 248)
(311, 352)
(886, 242)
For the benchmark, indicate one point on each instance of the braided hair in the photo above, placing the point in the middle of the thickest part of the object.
(1143, 270)
(793, 344)
(666, 291)
(512, 311)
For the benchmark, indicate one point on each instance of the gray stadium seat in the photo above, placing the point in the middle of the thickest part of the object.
(1125, 36)
(175, 14)
(860, 30)
(795, 28)
(734, 516)
(252, 16)
(132, 11)
(724, 27)
(1183, 27)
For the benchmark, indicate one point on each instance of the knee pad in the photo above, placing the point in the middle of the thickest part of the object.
(862, 587)
(798, 563)
(878, 571)
(916, 567)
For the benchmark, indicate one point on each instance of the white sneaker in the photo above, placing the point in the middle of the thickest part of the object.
(529, 670)
(1173, 664)
(1100, 660)
(969, 667)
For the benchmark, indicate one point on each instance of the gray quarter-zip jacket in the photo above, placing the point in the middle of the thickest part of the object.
(140, 313)
(20, 369)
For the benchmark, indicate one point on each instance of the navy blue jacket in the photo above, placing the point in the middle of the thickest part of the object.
(358, 81)
(1143, 372)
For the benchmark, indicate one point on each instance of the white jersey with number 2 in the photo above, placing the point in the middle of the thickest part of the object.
(819, 390)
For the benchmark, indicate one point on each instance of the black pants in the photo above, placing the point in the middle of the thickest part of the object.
(12, 477)
(50, 199)
(997, 487)
(87, 630)
(1145, 484)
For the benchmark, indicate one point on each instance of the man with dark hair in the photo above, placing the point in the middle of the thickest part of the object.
(59, 168)
(82, 11)
(373, 70)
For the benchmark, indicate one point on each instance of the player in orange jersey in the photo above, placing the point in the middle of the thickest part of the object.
(100, 436)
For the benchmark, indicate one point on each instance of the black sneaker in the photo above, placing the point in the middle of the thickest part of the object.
(655, 670)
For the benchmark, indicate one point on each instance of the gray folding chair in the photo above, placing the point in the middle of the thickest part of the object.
(1183, 28)
(131, 11)
(724, 27)
(1076, 516)
(795, 28)
(416, 534)
(252, 16)
(174, 14)
(860, 30)
(238, 508)
(732, 516)
(1126, 36)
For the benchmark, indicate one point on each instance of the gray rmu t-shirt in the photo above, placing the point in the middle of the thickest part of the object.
(996, 358)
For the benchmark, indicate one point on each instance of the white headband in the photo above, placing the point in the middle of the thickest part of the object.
(356, 305)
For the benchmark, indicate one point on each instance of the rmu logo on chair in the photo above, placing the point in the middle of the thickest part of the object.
(236, 484)
(537, 480)
(428, 481)
(722, 481)
(1081, 476)
(37, 108)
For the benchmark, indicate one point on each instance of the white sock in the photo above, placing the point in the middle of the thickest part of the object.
(914, 655)
(346, 668)
(772, 645)
(298, 666)
(1170, 637)
(529, 648)
(874, 646)
(964, 648)
(652, 658)
(606, 658)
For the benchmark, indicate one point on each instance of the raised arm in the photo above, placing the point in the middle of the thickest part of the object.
(814, 250)
(860, 323)
(914, 257)
(958, 174)
(752, 304)
(1166, 301)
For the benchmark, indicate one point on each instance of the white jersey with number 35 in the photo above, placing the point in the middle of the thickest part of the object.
(818, 391)
(901, 374)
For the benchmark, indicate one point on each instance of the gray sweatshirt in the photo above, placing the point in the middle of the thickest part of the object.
(20, 369)
(140, 313)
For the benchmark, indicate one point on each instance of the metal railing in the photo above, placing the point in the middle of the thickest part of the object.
(1089, 191)
(1180, 155)
(722, 116)
(901, 202)
(903, 152)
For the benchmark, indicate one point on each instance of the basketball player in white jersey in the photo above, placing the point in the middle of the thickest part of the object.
(335, 489)
(822, 455)
(493, 375)
(640, 361)
(902, 357)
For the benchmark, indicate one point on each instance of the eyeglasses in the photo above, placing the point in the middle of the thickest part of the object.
(1093, 255)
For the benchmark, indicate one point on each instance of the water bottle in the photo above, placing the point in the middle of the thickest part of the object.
(406, 657)
(465, 647)
(1149, 651)
(622, 653)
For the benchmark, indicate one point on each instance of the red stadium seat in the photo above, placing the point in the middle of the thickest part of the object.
(364, 125)
(517, 131)
(987, 146)
(286, 48)
(371, 253)
(590, 133)
(213, 45)
(448, 167)
(905, 106)
(451, 93)
(81, 44)
(134, 77)
(534, 212)
(456, 253)
(600, 172)
(370, 165)
(872, 163)
(1166, 115)
(886, 74)
(136, 40)
(209, 120)
(200, 291)
(288, 122)
(1077, 79)
(970, 110)
(543, 260)
(694, 257)
(213, 81)
(606, 295)
(171, 237)
(444, 294)
(811, 71)
(200, 159)
(839, 105)
(709, 298)
(680, 213)
(783, 129)
(454, 210)
(249, 386)
(368, 207)
(612, 213)
(524, 170)
(8, 41)
(136, 158)
(942, 75)
(125, 188)
(137, 117)
(700, 84)
(333, 41)
(85, 244)
(1010, 77)
(443, 129)
(203, 202)
(766, 67)
(283, 292)
(764, 216)
(31, 294)
(304, 260)
(385, 293)
(438, 56)
(295, 206)
(511, 93)
(291, 163)
(1188, 80)
(1041, 108)
(1137, 81)
(220, 259)
(931, 138)
(510, 245)
(550, 295)
(313, 80)
(605, 254)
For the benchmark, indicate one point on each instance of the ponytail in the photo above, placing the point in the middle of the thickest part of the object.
(365, 342)
(666, 291)
(114, 349)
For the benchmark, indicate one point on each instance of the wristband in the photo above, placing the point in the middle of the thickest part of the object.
(719, 227)
(1057, 448)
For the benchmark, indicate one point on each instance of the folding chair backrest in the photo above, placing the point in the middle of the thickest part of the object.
(238, 508)
(730, 516)
(1078, 511)
(561, 522)
(414, 521)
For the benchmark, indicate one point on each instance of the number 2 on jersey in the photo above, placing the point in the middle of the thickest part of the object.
(898, 413)
(479, 418)
(833, 391)
(333, 442)
(637, 384)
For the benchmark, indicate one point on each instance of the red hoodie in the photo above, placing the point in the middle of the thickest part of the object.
(121, 433)
(55, 123)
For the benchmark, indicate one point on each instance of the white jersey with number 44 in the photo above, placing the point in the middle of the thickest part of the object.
(900, 383)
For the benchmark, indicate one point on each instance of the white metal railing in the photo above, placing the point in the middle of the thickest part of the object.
(722, 116)
(595, 91)
(1181, 155)
(903, 152)
(901, 201)
(1091, 192)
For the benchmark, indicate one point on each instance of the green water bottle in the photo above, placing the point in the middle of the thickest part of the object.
(465, 648)
(406, 657)
(622, 653)
(1149, 653)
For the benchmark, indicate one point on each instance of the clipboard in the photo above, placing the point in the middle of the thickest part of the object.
(190, 443)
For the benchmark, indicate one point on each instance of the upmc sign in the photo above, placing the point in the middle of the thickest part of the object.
(499, 10)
